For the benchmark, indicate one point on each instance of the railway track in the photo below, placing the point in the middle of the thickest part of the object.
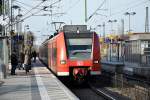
(83, 91)
(92, 91)
(100, 86)
(86, 93)
(101, 92)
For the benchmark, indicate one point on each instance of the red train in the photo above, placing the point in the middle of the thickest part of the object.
(74, 52)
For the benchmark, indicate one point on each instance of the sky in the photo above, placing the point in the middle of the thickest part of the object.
(73, 12)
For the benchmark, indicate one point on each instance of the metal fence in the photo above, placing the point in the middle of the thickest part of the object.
(132, 88)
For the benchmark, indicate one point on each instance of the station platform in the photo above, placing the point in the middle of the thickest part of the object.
(38, 84)
(112, 66)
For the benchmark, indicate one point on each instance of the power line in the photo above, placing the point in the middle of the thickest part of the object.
(34, 8)
(139, 4)
(73, 5)
(34, 12)
(24, 4)
(54, 3)
(96, 10)
(125, 5)
(133, 6)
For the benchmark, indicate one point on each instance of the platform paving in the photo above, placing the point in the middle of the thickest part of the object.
(38, 84)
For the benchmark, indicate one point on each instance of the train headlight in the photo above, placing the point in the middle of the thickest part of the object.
(63, 62)
(96, 62)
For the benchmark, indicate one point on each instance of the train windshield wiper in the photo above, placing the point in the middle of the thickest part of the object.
(80, 51)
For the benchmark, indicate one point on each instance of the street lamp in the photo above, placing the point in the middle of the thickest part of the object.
(15, 7)
(26, 27)
(129, 14)
(111, 43)
(12, 19)
(99, 28)
(112, 21)
(12, 14)
(103, 25)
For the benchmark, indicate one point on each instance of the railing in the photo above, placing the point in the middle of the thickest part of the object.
(133, 88)
(113, 58)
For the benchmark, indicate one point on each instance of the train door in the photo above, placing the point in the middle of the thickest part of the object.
(49, 55)
(51, 59)
(54, 55)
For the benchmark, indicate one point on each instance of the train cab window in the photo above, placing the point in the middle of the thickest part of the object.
(79, 48)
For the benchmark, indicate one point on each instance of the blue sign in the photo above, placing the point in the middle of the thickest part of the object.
(18, 37)
(29, 42)
(107, 40)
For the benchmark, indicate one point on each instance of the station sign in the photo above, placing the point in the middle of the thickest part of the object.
(29, 42)
(17, 37)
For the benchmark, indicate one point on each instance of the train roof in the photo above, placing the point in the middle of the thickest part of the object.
(75, 28)
(86, 34)
(72, 31)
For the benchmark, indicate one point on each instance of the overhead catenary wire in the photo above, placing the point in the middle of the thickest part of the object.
(27, 5)
(33, 8)
(136, 5)
(65, 10)
(123, 10)
(24, 4)
(34, 13)
(25, 18)
(54, 3)
(72, 6)
(96, 10)
(39, 10)
(125, 4)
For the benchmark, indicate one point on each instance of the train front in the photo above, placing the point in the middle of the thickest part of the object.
(83, 55)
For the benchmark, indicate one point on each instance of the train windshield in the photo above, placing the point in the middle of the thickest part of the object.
(79, 48)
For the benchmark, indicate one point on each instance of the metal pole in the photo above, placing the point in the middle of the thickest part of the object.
(25, 35)
(118, 52)
(11, 16)
(147, 21)
(122, 21)
(111, 25)
(104, 30)
(3, 28)
(5, 58)
(110, 51)
(111, 41)
(129, 14)
(11, 27)
(129, 23)
(85, 10)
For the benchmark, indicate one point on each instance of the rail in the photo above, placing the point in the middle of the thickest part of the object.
(102, 93)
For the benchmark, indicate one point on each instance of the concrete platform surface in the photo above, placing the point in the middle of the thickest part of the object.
(38, 84)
